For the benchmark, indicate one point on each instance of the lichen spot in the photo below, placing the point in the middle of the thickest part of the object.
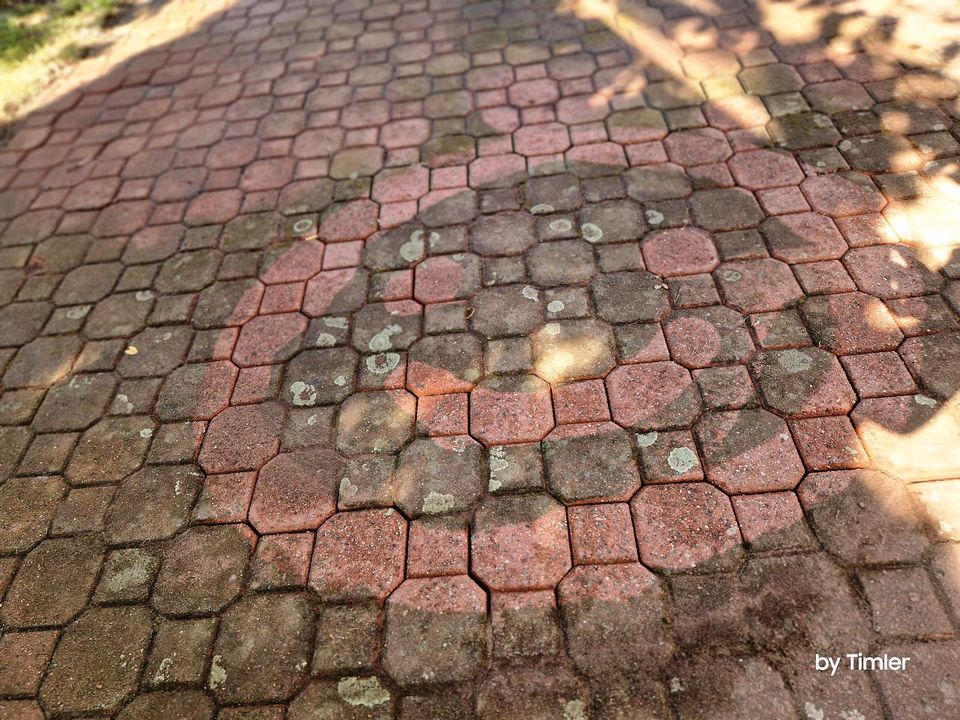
(682, 459)
(367, 692)
(435, 503)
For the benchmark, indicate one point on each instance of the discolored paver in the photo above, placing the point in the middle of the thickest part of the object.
(590, 462)
(262, 649)
(97, 662)
(447, 616)
(439, 475)
(203, 569)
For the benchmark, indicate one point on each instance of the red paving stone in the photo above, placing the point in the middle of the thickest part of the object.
(406, 360)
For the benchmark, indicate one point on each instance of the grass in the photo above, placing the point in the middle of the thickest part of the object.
(38, 39)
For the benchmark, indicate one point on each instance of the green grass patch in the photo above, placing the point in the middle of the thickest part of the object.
(38, 38)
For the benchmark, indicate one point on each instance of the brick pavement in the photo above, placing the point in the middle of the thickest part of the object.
(434, 360)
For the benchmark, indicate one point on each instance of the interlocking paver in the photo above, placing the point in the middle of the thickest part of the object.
(308, 310)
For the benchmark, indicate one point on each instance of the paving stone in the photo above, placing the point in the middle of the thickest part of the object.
(74, 404)
(878, 374)
(829, 443)
(203, 570)
(915, 693)
(584, 401)
(803, 130)
(903, 603)
(375, 422)
(803, 237)
(511, 409)
(707, 336)
(242, 438)
(296, 491)
(932, 361)
(602, 608)
(152, 504)
(269, 339)
(335, 291)
(668, 456)
(772, 521)
(572, 350)
(448, 616)
(447, 277)
(657, 182)
(602, 534)
(347, 638)
(590, 461)
(653, 396)
(367, 482)
(563, 262)
(27, 507)
(748, 451)
(630, 297)
(520, 543)
(890, 272)
(842, 195)
(180, 651)
(262, 649)
(758, 285)
(725, 388)
(320, 377)
(515, 467)
(110, 450)
(749, 686)
(803, 383)
(437, 546)
(127, 576)
(282, 561)
(505, 310)
(525, 624)
(892, 428)
(444, 364)
(502, 234)
(42, 362)
(685, 527)
(197, 390)
(682, 251)
(97, 662)
(868, 533)
(359, 555)
(612, 222)
(851, 323)
(52, 584)
(156, 352)
(439, 475)
(27, 655)
(726, 209)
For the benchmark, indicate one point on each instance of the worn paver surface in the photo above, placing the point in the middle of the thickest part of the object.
(438, 360)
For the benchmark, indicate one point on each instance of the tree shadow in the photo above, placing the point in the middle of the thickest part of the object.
(311, 318)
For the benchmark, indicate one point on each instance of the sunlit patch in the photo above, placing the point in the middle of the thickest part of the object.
(572, 350)
(931, 451)
(930, 224)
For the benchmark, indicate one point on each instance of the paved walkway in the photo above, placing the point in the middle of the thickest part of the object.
(430, 360)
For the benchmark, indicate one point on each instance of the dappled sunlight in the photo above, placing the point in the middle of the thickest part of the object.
(931, 225)
(929, 452)
(173, 21)
(572, 351)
